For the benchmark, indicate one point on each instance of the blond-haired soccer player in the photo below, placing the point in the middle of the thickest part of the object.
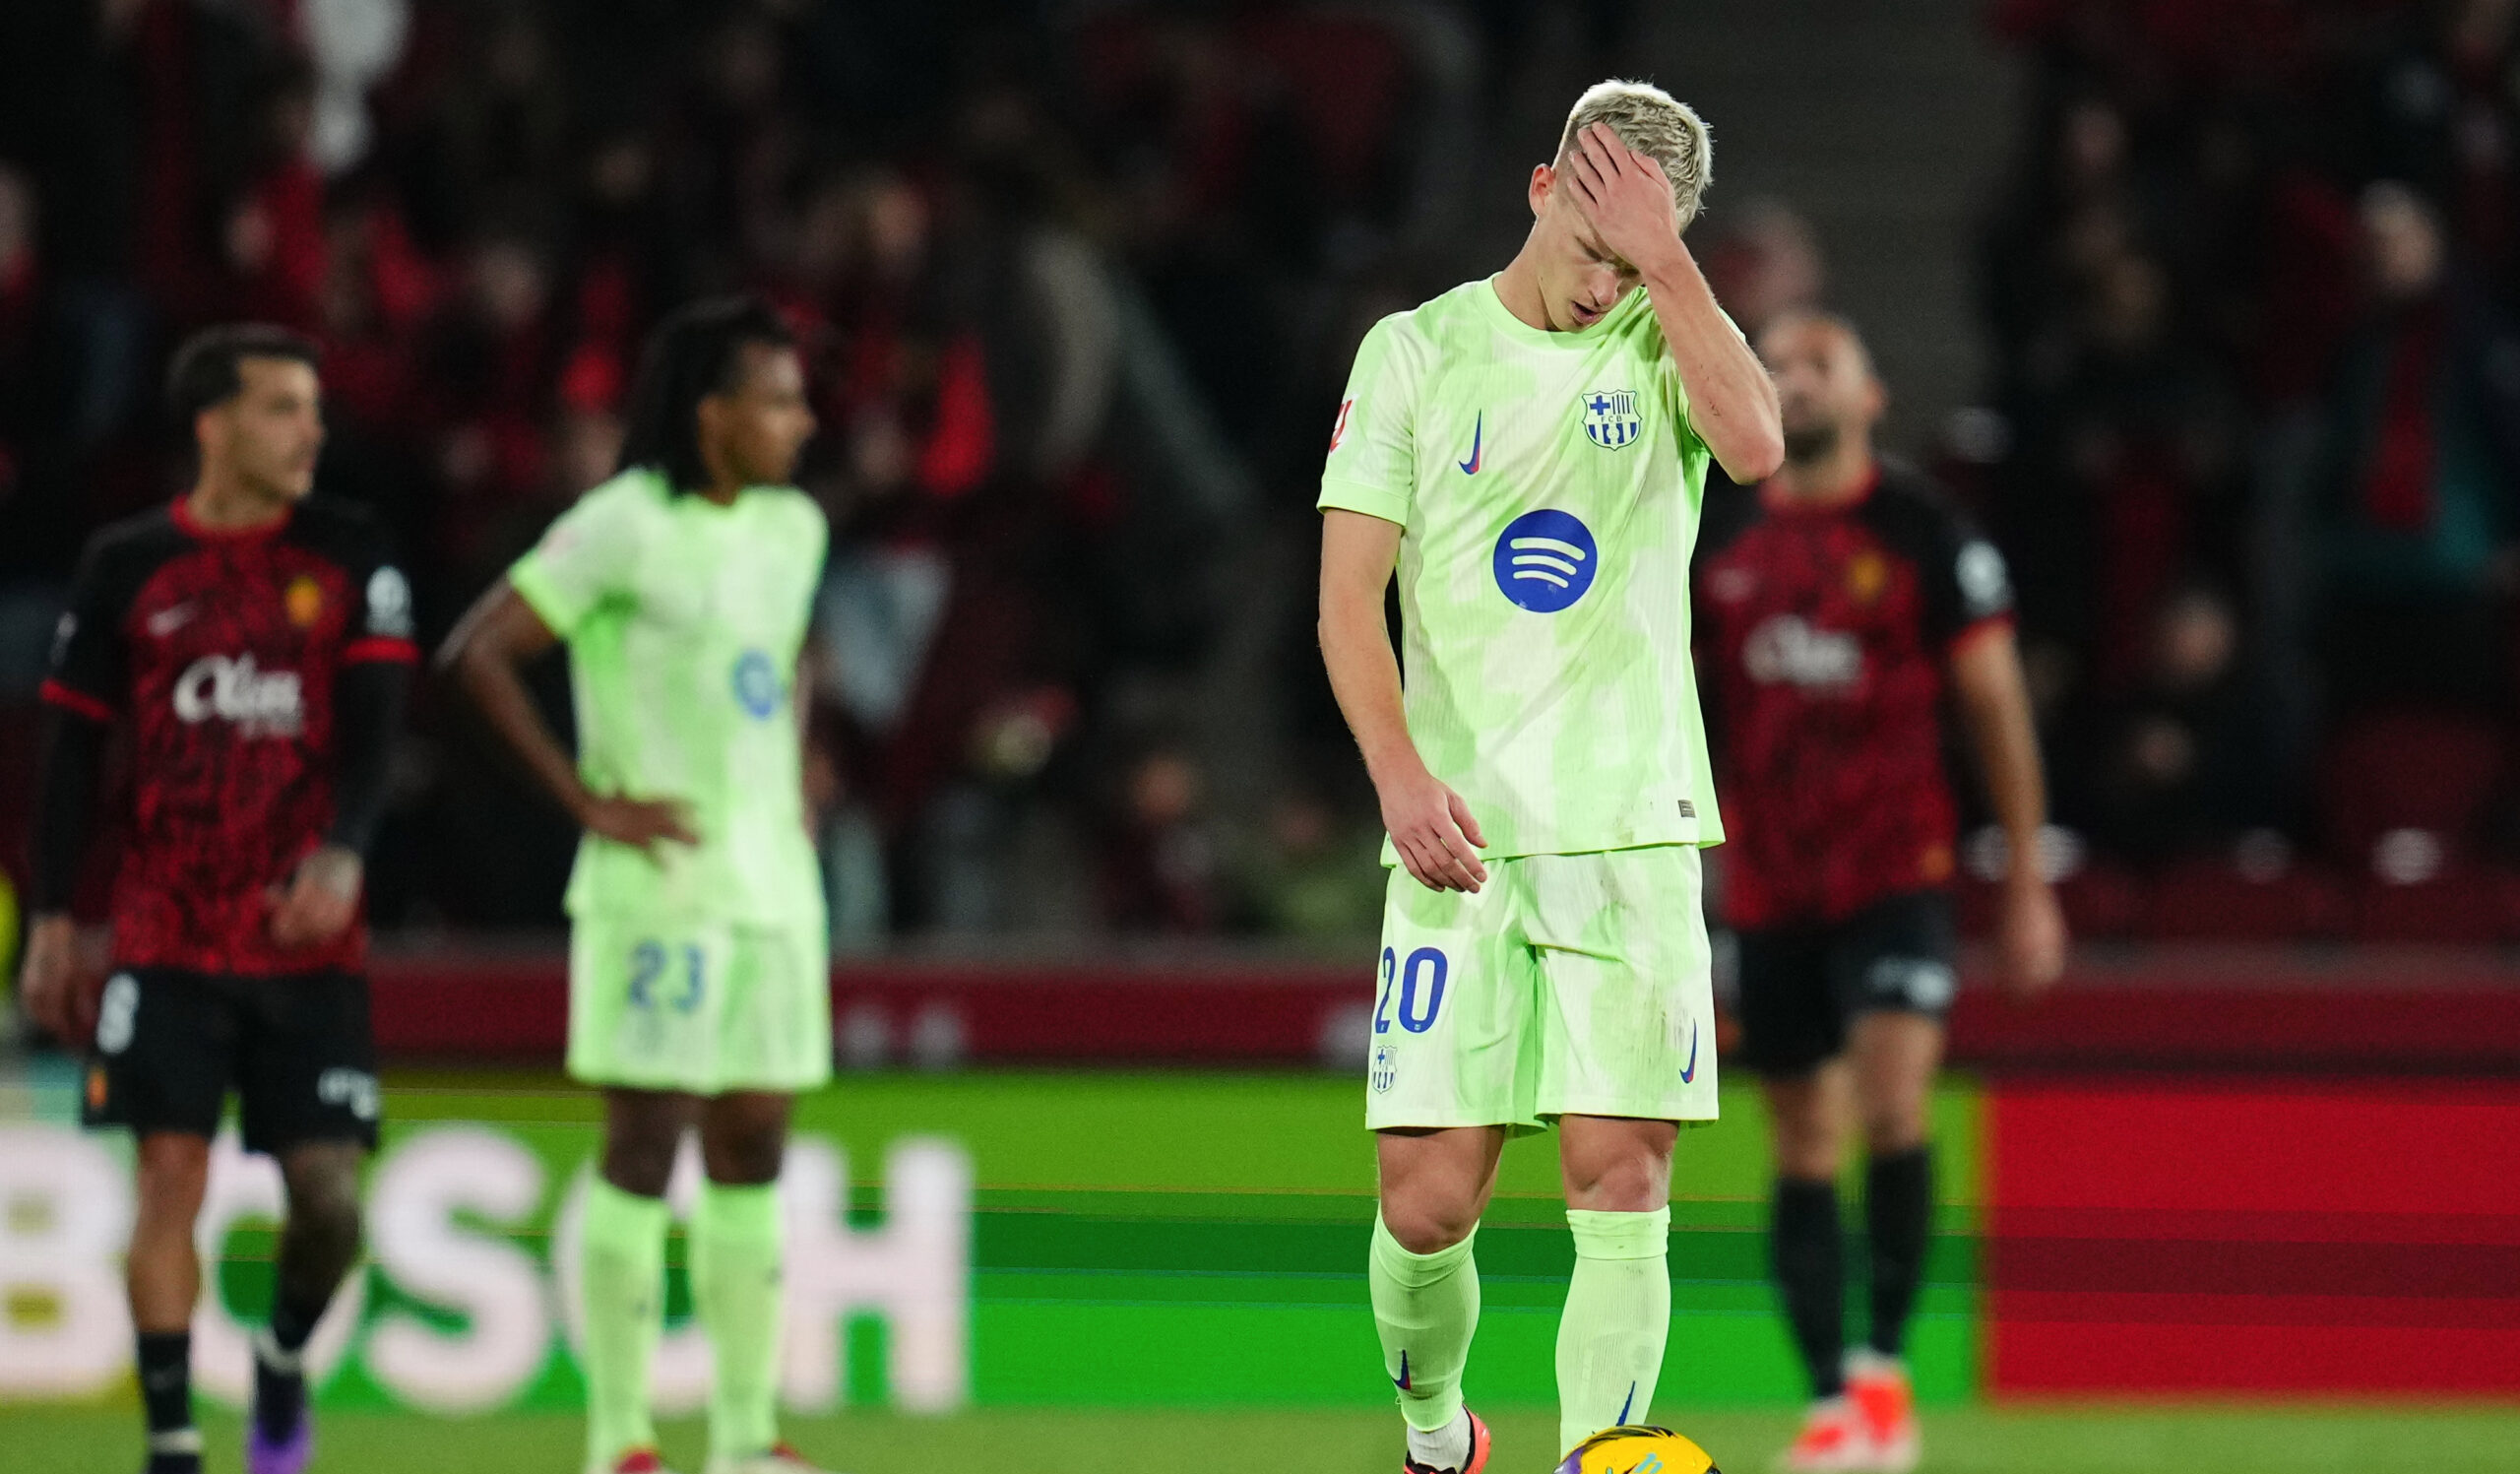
(1528, 452)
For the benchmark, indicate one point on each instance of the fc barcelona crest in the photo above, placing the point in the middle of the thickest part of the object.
(1610, 420)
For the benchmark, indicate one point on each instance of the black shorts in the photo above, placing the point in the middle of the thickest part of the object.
(1802, 985)
(297, 1051)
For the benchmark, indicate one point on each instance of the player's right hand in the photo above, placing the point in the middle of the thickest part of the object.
(641, 823)
(1434, 833)
(52, 979)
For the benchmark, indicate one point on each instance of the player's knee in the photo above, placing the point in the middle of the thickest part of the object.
(1894, 1126)
(639, 1164)
(174, 1175)
(1422, 1227)
(1806, 1143)
(324, 1212)
(1808, 1150)
(1636, 1181)
(744, 1157)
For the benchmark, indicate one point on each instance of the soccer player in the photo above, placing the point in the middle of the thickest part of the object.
(1529, 451)
(257, 645)
(1839, 603)
(698, 973)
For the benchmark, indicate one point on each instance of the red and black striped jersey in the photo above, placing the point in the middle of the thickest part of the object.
(1823, 633)
(221, 650)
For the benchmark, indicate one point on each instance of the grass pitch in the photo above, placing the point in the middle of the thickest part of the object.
(2075, 1439)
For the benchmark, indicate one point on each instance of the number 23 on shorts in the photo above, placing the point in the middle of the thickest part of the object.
(670, 977)
(1418, 982)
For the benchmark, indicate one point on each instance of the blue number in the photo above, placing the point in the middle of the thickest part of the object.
(1382, 1005)
(691, 1000)
(647, 964)
(1409, 1018)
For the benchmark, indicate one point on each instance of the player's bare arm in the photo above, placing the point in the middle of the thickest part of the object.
(1625, 198)
(1986, 675)
(486, 653)
(1431, 827)
(60, 995)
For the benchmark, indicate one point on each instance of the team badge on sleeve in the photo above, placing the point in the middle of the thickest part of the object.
(1984, 581)
(1610, 420)
(389, 603)
(1339, 426)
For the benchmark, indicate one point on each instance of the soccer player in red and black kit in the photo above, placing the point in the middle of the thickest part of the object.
(258, 646)
(1838, 604)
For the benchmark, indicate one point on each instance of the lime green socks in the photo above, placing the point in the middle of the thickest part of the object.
(621, 1258)
(1618, 1315)
(1426, 1307)
(735, 1242)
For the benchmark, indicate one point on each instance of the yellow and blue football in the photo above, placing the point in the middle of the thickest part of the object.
(1637, 1450)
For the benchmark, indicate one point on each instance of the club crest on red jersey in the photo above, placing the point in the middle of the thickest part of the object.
(304, 601)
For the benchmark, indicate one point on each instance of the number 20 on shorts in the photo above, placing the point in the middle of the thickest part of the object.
(648, 966)
(1420, 977)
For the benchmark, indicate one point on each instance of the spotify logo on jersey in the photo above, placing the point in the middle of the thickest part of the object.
(1545, 561)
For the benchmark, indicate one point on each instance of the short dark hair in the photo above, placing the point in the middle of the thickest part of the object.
(692, 355)
(208, 369)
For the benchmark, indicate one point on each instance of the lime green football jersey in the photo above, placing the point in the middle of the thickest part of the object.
(1549, 487)
(684, 620)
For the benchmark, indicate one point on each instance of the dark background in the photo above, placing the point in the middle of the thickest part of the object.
(2202, 307)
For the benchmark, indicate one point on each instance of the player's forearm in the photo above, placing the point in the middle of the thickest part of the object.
(1996, 703)
(368, 710)
(1365, 677)
(1733, 402)
(488, 675)
(74, 755)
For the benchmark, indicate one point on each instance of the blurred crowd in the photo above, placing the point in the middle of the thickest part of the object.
(1065, 289)
(2256, 450)
(1081, 283)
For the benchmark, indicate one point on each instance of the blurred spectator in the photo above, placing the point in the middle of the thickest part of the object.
(1313, 872)
(1160, 860)
(351, 45)
(1764, 260)
(485, 377)
(2180, 766)
(21, 287)
(2418, 480)
(271, 241)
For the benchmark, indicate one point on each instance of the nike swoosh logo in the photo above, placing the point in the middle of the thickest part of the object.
(1401, 1381)
(169, 619)
(1688, 1072)
(1478, 432)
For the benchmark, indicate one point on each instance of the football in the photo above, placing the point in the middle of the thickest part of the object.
(1637, 1450)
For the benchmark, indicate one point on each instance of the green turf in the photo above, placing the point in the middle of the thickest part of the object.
(2058, 1440)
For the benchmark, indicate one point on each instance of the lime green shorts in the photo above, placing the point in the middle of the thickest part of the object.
(698, 1007)
(1569, 984)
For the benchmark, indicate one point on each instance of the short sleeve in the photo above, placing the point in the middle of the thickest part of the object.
(1372, 467)
(89, 671)
(1967, 583)
(589, 555)
(817, 530)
